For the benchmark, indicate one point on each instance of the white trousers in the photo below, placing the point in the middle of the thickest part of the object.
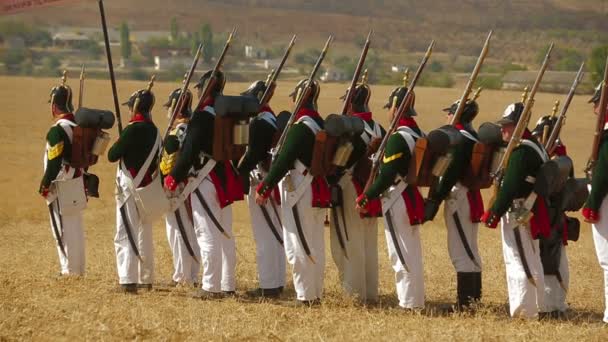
(410, 284)
(358, 272)
(270, 254)
(600, 239)
(525, 299)
(218, 252)
(555, 296)
(72, 236)
(186, 268)
(130, 269)
(307, 275)
(458, 203)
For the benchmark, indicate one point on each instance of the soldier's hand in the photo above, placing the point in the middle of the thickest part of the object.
(259, 199)
(590, 215)
(361, 204)
(44, 192)
(490, 219)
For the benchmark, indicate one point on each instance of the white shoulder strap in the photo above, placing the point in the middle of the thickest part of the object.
(468, 135)
(310, 123)
(67, 127)
(142, 171)
(409, 136)
(270, 118)
(209, 109)
(541, 152)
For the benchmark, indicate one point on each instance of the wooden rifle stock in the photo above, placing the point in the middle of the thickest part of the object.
(550, 143)
(467, 90)
(182, 95)
(599, 127)
(271, 84)
(300, 100)
(351, 90)
(405, 105)
(213, 79)
(521, 126)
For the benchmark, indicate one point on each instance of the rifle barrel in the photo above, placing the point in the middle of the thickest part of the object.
(182, 94)
(216, 68)
(550, 143)
(522, 124)
(472, 78)
(275, 75)
(104, 26)
(357, 74)
(304, 95)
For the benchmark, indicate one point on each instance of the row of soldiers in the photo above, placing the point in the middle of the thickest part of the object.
(288, 205)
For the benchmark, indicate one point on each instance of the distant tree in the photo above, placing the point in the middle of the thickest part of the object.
(597, 61)
(436, 66)
(125, 43)
(12, 58)
(174, 27)
(195, 40)
(206, 36)
(569, 60)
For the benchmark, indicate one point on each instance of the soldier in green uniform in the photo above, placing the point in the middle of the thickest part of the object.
(596, 208)
(180, 231)
(357, 259)
(215, 185)
(137, 151)
(265, 220)
(525, 278)
(462, 210)
(402, 206)
(67, 228)
(303, 199)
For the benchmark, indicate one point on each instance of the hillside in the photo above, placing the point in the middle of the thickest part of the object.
(399, 24)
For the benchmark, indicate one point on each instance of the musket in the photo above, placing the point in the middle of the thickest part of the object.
(351, 90)
(467, 90)
(550, 143)
(81, 90)
(110, 65)
(405, 104)
(302, 96)
(522, 124)
(599, 127)
(182, 95)
(213, 79)
(271, 83)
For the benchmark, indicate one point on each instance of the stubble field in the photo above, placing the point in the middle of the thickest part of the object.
(36, 304)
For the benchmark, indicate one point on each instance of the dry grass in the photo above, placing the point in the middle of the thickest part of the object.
(35, 304)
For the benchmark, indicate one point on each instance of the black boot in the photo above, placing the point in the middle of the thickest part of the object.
(477, 286)
(465, 289)
(128, 288)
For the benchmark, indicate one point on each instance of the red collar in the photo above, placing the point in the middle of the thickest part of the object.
(266, 108)
(365, 116)
(527, 135)
(66, 116)
(307, 112)
(208, 102)
(408, 121)
(459, 126)
(139, 118)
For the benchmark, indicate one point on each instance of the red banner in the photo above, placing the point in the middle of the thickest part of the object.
(15, 6)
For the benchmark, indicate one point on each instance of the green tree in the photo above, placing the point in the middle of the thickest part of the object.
(206, 36)
(597, 61)
(195, 40)
(569, 60)
(125, 43)
(174, 29)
